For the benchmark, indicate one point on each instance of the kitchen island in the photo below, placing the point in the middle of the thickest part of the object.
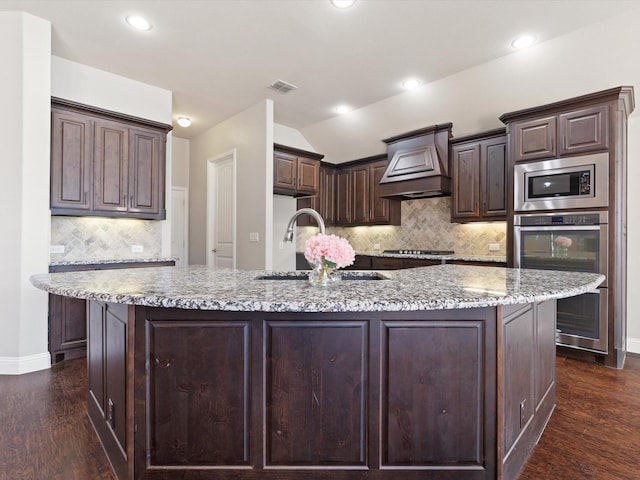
(440, 372)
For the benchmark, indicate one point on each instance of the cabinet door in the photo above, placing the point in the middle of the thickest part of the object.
(386, 263)
(71, 143)
(67, 328)
(146, 173)
(284, 173)
(110, 166)
(383, 210)
(493, 179)
(360, 194)
(535, 139)
(308, 202)
(115, 341)
(344, 195)
(308, 176)
(95, 358)
(584, 130)
(326, 195)
(465, 163)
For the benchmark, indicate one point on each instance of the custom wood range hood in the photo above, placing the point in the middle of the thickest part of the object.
(418, 164)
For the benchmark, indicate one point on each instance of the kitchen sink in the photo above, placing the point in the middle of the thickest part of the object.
(301, 275)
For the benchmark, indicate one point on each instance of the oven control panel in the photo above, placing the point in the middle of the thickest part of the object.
(594, 218)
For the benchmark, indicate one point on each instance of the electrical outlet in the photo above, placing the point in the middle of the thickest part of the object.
(56, 249)
(281, 245)
(376, 246)
(254, 237)
(137, 249)
(494, 247)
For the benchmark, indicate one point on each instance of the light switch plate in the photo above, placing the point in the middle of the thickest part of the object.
(254, 236)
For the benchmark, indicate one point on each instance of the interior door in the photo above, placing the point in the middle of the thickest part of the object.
(221, 212)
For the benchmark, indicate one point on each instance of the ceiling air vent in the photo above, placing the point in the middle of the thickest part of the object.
(282, 86)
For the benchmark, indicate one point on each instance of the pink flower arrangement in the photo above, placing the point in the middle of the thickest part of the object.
(561, 241)
(333, 251)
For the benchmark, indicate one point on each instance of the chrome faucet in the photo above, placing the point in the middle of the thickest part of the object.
(288, 236)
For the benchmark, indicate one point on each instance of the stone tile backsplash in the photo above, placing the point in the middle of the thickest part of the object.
(426, 224)
(97, 238)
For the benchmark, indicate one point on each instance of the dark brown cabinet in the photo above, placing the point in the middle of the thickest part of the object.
(358, 201)
(106, 164)
(344, 197)
(580, 131)
(71, 161)
(323, 202)
(109, 380)
(295, 172)
(68, 316)
(479, 175)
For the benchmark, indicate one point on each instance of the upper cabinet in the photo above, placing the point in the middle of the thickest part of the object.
(358, 200)
(295, 172)
(349, 195)
(106, 164)
(580, 131)
(323, 202)
(479, 174)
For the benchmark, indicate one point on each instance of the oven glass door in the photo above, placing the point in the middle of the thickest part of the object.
(578, 321)
(568, 248)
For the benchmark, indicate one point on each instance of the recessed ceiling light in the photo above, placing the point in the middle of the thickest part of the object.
(342, 3)
(184, 121)
(411, 83)
(523, 41)
(138, 22)
(342, 109)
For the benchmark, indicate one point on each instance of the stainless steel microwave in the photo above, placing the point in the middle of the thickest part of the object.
(562, 183)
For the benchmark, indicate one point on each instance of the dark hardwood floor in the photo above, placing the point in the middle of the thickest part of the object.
(594, 432)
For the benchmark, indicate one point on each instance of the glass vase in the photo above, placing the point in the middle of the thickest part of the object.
(324, 276)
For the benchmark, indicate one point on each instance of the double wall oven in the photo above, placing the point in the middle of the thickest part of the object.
(575, 242)
(561, 223)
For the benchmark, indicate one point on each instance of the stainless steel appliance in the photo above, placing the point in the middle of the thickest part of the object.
(574, 241)
(563, 183)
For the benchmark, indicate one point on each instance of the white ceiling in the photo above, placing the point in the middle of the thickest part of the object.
(219, 56)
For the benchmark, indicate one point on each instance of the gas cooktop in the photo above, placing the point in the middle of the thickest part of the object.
(420, 252)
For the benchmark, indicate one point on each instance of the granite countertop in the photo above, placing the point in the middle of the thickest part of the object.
(427, 288)
(111, 261)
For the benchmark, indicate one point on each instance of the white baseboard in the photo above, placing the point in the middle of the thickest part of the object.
(633, 345)
(29, 363)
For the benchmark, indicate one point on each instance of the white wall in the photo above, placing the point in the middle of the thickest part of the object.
(598, 57)
(25, 49)
(180, 162)
(83, 84)
(251, 134)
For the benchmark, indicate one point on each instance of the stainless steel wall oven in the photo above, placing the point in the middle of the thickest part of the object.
(573, 241)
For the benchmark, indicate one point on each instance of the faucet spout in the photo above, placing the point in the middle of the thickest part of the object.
(288, 236)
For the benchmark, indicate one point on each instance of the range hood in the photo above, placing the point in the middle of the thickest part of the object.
(418, 164)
